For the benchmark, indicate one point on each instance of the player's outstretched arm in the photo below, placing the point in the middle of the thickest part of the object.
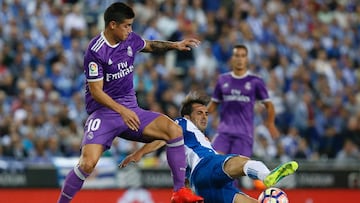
(138, 154)
(163, 46)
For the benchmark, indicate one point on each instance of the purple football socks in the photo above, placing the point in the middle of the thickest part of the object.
(175, 153)
(73, 183)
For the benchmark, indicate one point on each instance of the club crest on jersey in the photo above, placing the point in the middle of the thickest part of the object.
(93, 69)
(247, 86)
(226, 85)
(129, 51)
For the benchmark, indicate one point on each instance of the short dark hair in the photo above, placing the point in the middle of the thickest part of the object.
(190, 99)
(118, 12)
(241, 46)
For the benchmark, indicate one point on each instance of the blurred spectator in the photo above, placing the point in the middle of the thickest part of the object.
(222, 50)
(291, 141)
(75, 22)
(40, 156)
(5, 105)
(145, 12)
(264, 146)
(352, 130)
(179, 93)
(206, 64)
(6, 79)
(151, 32)
(349, 153)
(304, 151)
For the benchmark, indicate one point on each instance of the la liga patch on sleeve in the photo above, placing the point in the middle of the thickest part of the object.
(93, 69)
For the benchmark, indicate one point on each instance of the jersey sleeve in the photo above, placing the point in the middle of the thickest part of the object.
(137, 42)
(217, 94)
(261, 90)
(93, 68)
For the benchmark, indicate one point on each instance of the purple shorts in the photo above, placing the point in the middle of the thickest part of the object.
(104, 125)
(229, 144)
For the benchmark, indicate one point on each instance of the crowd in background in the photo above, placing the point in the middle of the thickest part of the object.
(307, 51)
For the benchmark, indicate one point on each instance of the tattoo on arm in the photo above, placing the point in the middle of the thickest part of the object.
(159, 46)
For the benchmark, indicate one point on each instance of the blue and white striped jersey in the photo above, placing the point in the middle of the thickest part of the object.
(197, 146)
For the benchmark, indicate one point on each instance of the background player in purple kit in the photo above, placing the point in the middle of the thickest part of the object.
(236, 92)
(112, 105)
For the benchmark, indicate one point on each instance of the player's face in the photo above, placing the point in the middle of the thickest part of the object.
(199, 116)
(122, 30)
(239, 59)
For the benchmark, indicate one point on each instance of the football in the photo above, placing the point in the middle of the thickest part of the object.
(273, 195)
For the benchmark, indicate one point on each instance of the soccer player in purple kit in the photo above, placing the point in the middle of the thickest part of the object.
(112, 106)
(236, 92)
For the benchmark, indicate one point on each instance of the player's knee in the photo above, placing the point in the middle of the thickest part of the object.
(234, 166)
(174, 131)
(87, 166)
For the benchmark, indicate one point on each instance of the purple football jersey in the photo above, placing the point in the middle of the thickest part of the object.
(114, 65)
(237, 97)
